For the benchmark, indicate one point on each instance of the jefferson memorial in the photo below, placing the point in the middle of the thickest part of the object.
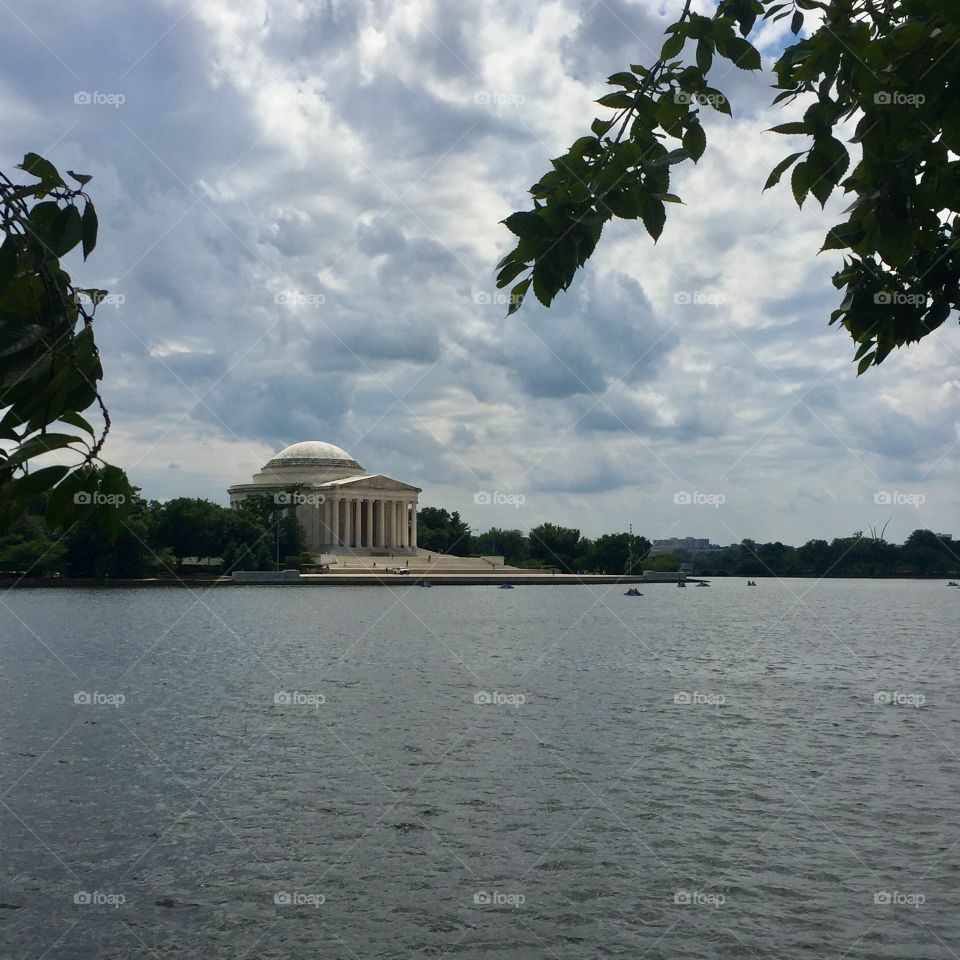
(341, 508)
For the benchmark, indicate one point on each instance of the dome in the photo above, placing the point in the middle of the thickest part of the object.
(313, 453)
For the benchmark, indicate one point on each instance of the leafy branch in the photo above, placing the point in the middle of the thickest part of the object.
(894, 67)
(49, 363)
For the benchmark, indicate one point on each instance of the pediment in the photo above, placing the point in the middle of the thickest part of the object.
(375, 481)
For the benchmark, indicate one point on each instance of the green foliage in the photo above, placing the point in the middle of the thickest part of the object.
(443, 532)
(26, 550)
(49, 363)
(892, 66)
(92, 551)
(612, 553)
(556, 546)
(512, 545)
(924, 554)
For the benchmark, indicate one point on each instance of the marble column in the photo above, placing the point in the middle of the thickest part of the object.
(381, 533)
(368, 537)
(404, 525)
(413, 524)
(356, 524)
(336, 522)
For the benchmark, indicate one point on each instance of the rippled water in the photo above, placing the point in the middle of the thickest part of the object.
(771, 816)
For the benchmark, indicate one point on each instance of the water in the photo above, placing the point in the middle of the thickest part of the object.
(767, 817)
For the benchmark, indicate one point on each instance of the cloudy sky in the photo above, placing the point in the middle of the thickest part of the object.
(352, 161)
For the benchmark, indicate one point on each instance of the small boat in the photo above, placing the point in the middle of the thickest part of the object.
(426, 583)
(703, 583)
(751, 583)
(681, 583)
(506, 586)
(633, 592)
(953, 583)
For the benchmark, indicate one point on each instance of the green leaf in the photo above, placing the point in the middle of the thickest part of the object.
(617, 101)
(704, 56)
(672, 46)
(74, 419)
(38, 481)
(82, 178)
(89, 229)
(668, 197)
(779, 170)
(865, 363)
(624, 79)
(718, 101)
(791, 128)
(44, 170)
(799, 183)
(654, 217)
(509, 272)
(742, 53)
(529, 225)
(517, 294)
(8, 261)
(40, 444)
(600, 127)
(67, 230)
(695, 141)
(796, 23)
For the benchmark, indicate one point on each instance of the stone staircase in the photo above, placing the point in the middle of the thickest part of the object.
(418, 562)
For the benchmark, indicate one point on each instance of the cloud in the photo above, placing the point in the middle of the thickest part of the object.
(300, 206)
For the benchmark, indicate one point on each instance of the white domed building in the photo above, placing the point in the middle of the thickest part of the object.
(341, 508)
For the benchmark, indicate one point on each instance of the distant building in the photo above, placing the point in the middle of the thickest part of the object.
(690, 544)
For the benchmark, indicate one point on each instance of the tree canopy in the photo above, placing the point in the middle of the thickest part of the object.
(876, 78)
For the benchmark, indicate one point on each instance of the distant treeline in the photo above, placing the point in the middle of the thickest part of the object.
(925, 554)
(157, 538)
(154, 540)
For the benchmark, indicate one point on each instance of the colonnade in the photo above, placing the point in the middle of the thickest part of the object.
(363, 522)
